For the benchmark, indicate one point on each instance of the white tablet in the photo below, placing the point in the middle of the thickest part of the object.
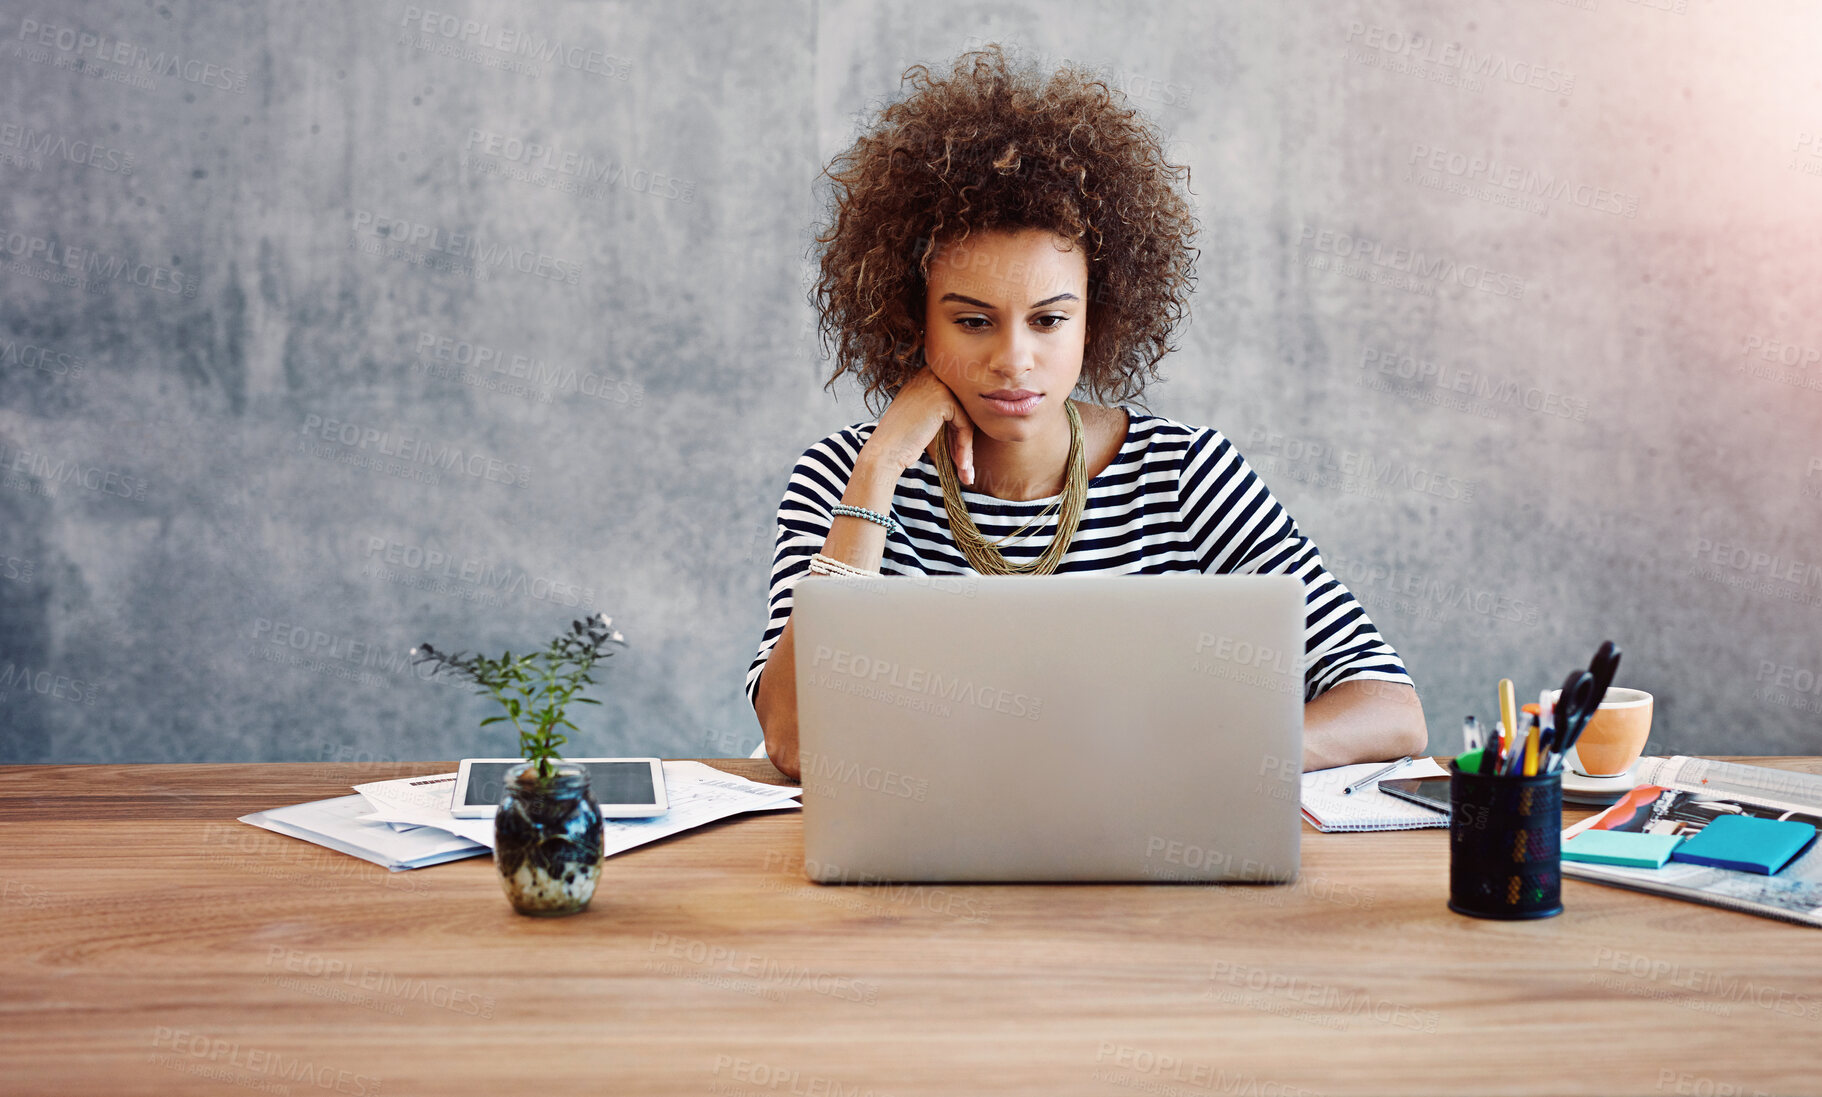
(626, 788)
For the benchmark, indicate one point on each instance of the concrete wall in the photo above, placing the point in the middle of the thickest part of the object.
(1595, 414)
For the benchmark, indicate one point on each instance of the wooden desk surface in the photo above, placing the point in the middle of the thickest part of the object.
(151, 944)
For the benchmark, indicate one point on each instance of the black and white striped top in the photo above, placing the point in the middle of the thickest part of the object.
(1176, 498)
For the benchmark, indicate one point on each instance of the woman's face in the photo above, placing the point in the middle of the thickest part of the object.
(1005, 323)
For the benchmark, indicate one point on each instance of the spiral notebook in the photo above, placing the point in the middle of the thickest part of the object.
(1369, 809)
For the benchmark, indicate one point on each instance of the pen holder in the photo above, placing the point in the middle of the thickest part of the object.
(1505, 845)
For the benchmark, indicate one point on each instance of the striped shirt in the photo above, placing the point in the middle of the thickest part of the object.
(1176, 498)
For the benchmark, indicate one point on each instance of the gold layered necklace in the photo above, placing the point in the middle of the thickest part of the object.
(982, 553)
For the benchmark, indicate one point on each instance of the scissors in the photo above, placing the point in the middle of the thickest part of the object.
(1571, 710)
(1582, 694)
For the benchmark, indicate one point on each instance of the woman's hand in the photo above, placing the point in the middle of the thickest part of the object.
(916, 418)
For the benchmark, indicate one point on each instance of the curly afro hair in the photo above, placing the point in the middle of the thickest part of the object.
(992, 147)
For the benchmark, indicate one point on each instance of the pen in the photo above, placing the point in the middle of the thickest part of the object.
(1470, 735)
(1373, 776)
(1514, 761)
(1521, 749)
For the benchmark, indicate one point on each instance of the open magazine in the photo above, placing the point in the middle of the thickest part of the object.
(1680, 795)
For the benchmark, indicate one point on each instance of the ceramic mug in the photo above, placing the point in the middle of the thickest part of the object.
(1615, 736)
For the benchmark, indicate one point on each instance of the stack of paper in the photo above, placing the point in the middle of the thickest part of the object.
(338, 824)
(406, 823)
(698, 794)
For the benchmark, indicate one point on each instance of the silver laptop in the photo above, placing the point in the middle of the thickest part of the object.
(1063, 727)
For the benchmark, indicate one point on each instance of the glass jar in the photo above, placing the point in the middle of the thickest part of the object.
(547, 839)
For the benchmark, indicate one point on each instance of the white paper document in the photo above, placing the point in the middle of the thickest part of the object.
(337, 824)
(698, 794)
(411, 793)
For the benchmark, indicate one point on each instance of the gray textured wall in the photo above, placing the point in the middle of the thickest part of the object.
(1592, 412)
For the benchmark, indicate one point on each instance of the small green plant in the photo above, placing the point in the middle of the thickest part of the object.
(535, 689)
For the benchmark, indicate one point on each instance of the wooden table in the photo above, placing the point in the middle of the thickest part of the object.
(152, 944)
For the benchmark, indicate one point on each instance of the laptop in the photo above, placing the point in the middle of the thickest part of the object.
(1143, 728)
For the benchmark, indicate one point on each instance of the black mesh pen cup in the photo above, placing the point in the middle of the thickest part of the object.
(1505, 845)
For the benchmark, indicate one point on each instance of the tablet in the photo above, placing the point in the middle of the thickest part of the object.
(626, 788)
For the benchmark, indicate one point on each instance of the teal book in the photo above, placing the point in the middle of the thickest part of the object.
(1747, 843)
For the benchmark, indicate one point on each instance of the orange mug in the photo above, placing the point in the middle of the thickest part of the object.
(1615, 735)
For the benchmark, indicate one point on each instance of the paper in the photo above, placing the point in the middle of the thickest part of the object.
(337, 824)
(698, 794)
(433, 792)
(1367, 809)
(410, 793)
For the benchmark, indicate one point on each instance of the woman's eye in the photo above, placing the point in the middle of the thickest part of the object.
(976, 323)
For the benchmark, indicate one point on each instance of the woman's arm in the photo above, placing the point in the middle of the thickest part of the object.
(853, 541)
(1361, 720)
(914, 421)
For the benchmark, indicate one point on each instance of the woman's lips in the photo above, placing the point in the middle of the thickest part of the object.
(1017, 402)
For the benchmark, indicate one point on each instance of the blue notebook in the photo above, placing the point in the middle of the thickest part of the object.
(1747, 843)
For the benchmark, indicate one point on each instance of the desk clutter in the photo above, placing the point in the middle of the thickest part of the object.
(1328, 806)
(408, 823)
(1732, 835)
(1506, 797)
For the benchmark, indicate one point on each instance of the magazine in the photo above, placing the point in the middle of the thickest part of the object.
(1680, 795)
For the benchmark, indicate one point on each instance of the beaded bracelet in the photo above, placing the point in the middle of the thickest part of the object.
(828, 565)
(874, 516)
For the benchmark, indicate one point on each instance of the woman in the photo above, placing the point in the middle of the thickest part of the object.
(1000, 242)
